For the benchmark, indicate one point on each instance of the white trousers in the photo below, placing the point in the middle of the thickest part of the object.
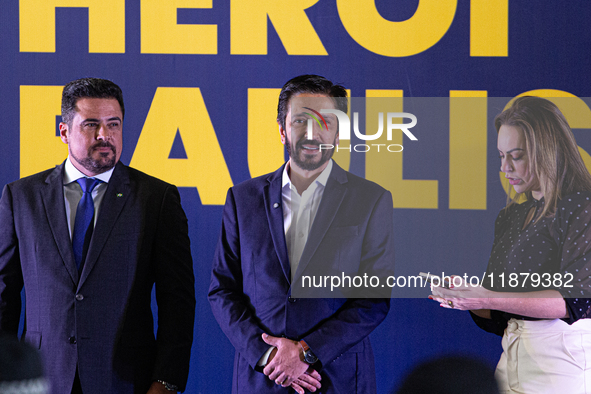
(545, 356)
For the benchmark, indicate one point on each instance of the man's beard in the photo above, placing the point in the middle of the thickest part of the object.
(310, 165)
(97, 166)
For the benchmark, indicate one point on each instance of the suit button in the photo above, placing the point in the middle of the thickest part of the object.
(292, 300)
(72, 340)
(79, 297)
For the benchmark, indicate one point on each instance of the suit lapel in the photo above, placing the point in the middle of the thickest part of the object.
(332, 198)
(52, 196)
(116, 195)
(272, 196)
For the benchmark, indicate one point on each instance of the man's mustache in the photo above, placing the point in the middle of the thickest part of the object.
(103, 144)
(306, 141)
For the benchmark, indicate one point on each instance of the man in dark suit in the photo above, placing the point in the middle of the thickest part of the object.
(88, 240)
(309, 217)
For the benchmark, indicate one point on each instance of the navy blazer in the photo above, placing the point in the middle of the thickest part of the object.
(100, 321)
(250, 290)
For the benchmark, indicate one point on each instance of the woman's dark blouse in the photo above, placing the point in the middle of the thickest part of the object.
(556, 245)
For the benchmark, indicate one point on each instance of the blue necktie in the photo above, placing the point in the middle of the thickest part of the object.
(84, 219)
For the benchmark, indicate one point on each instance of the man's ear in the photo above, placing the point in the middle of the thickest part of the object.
(64, 132)
(282, 134)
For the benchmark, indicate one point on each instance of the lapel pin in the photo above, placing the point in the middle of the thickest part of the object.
(119, 194)
(276, 205)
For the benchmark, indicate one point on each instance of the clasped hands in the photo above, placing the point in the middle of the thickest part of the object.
(287, 367)
(460, 295)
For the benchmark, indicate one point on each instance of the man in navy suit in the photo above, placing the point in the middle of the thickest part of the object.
(309, 217)
(88, 240)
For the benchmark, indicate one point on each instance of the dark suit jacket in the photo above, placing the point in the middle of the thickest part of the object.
(250, 285)
(101, 320)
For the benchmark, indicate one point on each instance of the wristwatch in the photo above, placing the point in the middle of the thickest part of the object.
(168, 386)
(309, 357)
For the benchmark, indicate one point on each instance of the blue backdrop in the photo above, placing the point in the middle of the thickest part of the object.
(200, 77)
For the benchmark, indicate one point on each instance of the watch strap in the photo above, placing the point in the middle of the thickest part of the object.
(304, 346)
(309, 356)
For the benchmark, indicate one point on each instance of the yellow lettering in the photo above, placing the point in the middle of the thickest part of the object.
(183, 109)
(162, 34)
(248, 27)
(106, 24)
(265, 150)
(385, 168)
(397, 39)
(467, 149)
(489, 28)
(575, 110)
(40, 145)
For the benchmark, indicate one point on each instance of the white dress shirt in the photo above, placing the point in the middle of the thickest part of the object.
(299, 213)
(298, 216)
(73, 192)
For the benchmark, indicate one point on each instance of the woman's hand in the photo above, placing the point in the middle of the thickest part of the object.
(544, 304)
(462, 296)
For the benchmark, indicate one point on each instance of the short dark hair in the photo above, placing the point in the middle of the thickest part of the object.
(88, 88)
(309, 84)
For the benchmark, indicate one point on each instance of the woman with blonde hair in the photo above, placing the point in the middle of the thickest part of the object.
(536, 291)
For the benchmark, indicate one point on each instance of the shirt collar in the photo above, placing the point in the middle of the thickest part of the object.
(538, 203)
(322, 178)
(72, 174)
